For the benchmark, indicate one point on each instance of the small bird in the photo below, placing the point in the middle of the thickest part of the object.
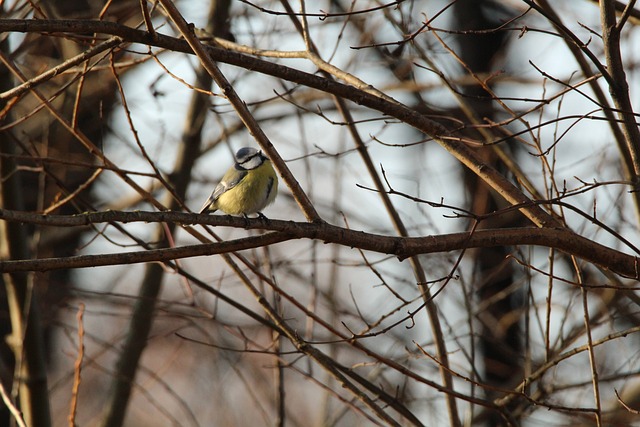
(247, 187)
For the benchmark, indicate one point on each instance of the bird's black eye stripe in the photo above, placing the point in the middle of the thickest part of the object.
(258, 154)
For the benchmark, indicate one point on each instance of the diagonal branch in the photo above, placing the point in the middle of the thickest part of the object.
(245, 115)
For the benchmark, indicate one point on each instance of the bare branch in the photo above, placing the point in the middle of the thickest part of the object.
(402, 247)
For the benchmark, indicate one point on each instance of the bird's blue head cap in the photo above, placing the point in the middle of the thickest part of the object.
(249, 158)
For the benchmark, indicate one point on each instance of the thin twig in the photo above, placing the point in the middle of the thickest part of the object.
(77, 368)
(57, 70)
(11, 406)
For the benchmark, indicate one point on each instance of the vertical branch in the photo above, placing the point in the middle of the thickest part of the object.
(628, 165)
(592, 356)
(418, 270)
(27, 336)
(500, 341)
(143, 311)
(26, 339)
(279, 372)
(618, 85)
(77, 368)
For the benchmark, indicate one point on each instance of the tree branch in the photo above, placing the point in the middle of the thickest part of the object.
(439, 133)
(618, 86)
(402, 247)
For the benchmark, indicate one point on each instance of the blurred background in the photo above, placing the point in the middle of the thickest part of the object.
(529, 336)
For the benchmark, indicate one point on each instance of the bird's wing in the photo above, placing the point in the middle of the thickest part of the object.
(229, 180)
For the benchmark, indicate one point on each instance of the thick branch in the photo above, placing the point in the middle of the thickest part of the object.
(402, 247)
(618, 86)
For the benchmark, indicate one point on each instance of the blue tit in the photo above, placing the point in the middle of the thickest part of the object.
(247, 187)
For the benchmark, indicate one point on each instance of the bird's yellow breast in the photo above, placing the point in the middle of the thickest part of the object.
(255, 191)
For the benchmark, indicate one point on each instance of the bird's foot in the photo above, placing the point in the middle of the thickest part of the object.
(246, 220)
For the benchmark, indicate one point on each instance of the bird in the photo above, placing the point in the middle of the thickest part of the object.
(247, 187)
